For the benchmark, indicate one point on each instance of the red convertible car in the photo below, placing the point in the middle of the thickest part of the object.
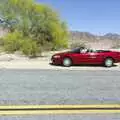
(86, 56)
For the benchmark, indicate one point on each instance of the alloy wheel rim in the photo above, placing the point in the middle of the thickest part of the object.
(67, 62)
(108, 62)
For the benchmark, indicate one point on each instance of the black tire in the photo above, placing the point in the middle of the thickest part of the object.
(67, 62)
(108, 62)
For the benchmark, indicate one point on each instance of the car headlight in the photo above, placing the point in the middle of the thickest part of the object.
(56, 56)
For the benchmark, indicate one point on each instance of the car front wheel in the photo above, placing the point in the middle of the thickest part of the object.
(108, 62)
(67, 62)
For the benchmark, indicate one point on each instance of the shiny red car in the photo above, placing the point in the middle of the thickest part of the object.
(86, 56)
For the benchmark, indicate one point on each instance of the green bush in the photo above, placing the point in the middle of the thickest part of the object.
(16, 42)
(12, 42)
(36, 21)
(47, 46)
(30, 48)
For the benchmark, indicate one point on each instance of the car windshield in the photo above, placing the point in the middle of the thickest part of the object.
(75, 50)
(82, 50)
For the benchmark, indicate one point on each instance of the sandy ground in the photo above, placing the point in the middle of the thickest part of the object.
(40, 64)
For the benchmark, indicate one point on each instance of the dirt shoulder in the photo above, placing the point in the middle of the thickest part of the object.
(47, 66)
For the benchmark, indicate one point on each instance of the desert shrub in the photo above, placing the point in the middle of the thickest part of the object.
(47, 46)
(1, 42)
(35, 21)
(16, 42)
(30, 48)
(12, 42)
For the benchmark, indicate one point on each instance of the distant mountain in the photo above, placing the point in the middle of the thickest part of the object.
(75, 35)
(86, 35)
(112, 36)
(108, 40)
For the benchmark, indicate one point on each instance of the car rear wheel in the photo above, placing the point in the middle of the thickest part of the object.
(108, 62)
(67, 62)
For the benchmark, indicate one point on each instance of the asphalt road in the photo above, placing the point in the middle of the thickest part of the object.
(59, 87)
(64, 117)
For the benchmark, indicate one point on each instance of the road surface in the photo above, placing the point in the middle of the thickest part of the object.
(59, 87)
(64, 117)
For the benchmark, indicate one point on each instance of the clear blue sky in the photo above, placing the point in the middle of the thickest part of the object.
(95, 16)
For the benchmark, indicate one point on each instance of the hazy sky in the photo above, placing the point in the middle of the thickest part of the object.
(96, 16)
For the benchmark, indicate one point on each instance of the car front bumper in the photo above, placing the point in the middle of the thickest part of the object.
(56, 61)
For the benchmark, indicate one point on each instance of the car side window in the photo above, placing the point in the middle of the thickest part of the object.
(91, 51)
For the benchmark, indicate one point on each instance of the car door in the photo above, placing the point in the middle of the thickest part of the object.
(86, 57)
(79, 57)
(94, 58)
(90, 57)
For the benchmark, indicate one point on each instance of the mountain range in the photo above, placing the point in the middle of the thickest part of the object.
(108, 40)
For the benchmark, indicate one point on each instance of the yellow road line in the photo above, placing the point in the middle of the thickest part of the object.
(59, 106)
(58, 109)
(60, 112)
